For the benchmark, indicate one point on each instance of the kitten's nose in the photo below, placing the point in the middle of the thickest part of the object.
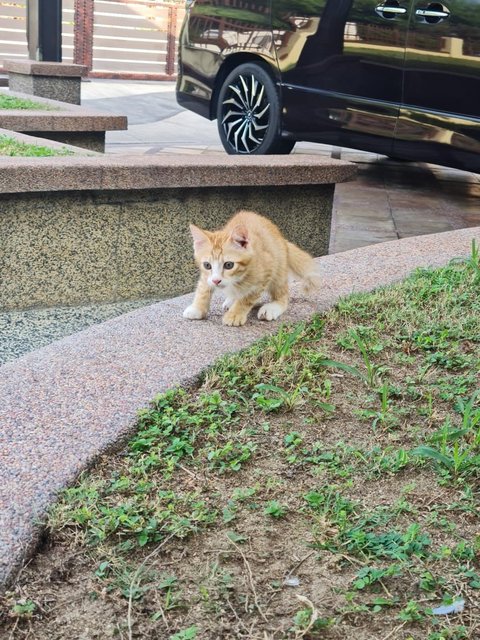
(216, 282)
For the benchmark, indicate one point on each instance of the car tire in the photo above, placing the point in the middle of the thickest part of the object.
(249, 113)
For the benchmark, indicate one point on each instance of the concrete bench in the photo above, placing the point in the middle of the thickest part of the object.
(63, 122)
(54, 80)
(75, 230)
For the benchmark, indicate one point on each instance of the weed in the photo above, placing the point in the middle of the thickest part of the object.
(235, 537)
(241, 494)
(285, 339)
(230, 456)
(452, 451)
(12, 102)
(472, 262)
(392, 544)
(275, 509)
(373, 370)
(330, 503)
(412, 612)
(367, 576)
(470, 414)
(384, 460)
(384, 416)
(229, 512)
(307, 621)
(13, 147)
(368, 335)
(334, 364)
(186, 634)
(428, 582)
(451, 387)
(270, 397)
(292, 443)
(24, 608)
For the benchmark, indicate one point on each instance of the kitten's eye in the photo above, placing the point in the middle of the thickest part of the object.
(207, 265)
(228, 265)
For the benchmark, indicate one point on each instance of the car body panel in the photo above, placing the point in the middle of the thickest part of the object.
(367, 74)
(344, 77)
(211, 34)
(441, 102)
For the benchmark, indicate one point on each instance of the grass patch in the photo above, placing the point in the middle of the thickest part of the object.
(13, 147)
(321, 484)
(11, 102)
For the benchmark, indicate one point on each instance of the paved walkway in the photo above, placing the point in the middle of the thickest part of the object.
(63, 404)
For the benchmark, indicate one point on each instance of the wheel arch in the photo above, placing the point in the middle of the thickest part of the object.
(235, 60)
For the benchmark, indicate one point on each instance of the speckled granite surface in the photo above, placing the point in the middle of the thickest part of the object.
(76, 248)
(65, 122)
(63, 116)
(63, 404)
(66, 89)
(45, 68)
(53, 80)
(19, 175)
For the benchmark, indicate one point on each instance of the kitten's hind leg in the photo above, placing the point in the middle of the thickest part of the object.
(201, 302)
(274, 309)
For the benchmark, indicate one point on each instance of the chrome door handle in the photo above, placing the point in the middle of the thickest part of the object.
(390, 11)
(426, 13)
(434, 13)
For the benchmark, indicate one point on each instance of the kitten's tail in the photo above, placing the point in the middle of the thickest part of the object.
(304, 266)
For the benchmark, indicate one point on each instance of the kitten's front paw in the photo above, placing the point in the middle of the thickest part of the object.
(234, 319)
(270, 311)
(193, 313)
(227, 304)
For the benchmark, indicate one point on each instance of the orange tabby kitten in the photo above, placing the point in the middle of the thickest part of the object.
(246, 258)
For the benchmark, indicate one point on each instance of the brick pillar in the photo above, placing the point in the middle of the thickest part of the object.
(83, 33)
(171, 35)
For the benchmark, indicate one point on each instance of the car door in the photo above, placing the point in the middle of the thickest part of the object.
(440, 117)
(341, 64)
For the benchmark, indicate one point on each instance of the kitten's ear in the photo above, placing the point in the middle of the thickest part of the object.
(240, 237)
(199, 236)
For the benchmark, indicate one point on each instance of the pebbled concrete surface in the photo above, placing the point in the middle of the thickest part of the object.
(63, 404)
(24, 331)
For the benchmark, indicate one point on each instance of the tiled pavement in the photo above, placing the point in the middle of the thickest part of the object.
(393, 200)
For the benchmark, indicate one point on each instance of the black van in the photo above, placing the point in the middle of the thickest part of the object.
(397, 77)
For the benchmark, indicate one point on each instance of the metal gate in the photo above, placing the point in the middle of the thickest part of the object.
(115, 38)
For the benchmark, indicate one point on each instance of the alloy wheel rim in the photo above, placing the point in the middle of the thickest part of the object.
(245, 114)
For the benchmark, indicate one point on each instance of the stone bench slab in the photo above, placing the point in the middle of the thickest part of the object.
(168, 171)
(56, 80)
(67, 123)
